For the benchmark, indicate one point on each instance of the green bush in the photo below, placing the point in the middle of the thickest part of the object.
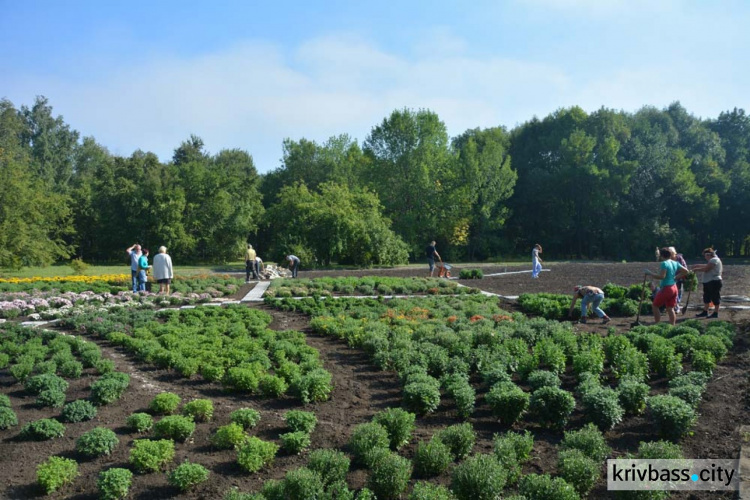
(589, 360)
(578, 470)
(46, 367)
(389, 476)
(301, 421)
(42, 430)
(673, 417)
(331, 465)
(542, 378)
(632, 395)
(55, 473)
(521, 444)
(140, 422)
(603, 407)
(507, 401)
(236, 494)
(398, 423)
(187, 475)
(429, 491)
(4, 401)
(552, 406)
(150, 456)
(174, 427)
(21, 371)
(659, 450)
(109, 388)
(165, 403)
(212, 373)
(97, 442)
(704, 361)
(464, 396)
(295, 443)
(114, 483)
(691, 378)
(228, 436)
(242, 379)
(302, 484)
(78, 411)
(253, 454)
(712, 344)
(104, 366)
(421, 398)
(549, 355)
(630, 362)
(8, 418)
(314, 386)
(365, 438)
(45, 382)
(459, 438)
(246, 417)
(480, 477)
(664, 360)
(543, 487)
(589, 440)
(691, 394)
(71, 369)
(431, 459)
(51, 398)
(201, 410)
(272, 386)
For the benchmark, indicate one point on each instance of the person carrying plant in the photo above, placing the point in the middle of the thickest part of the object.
(589, 295)
(711, 282)
(431, 252)
(293, 264)
(669, 272)
(536, 261)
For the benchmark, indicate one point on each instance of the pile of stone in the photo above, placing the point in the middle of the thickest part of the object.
(272, 272)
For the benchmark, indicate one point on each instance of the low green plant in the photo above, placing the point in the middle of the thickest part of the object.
(674, 417)
(302, 484)
(246, 417)
(78, 411)
(429, 491)
(114, 483)
(175, 427)
(603, 407)
(507, 401)
(432, 458)
(704, 361)
(97, 442)
(295, 443)
(187, 475)
(21, 371)
(552, 406)
(272, 386)
(55, 473)
(8, 418)
(254, 454)
(140, 422)
(691, 394)
(4, 401)
(301, 421)
(331, 465)
(691, 378)
(42, 430)
(71, 369)
(399, 424)
(45, 382)
(480, 477)
(367, 437)
(520, 445)
(659, 450)
(201, 410)
(544, 487)
(165, 403)
(589, 440)
(578, 470)
(228, 436)
(150, 456)
(543, 378)
(50, 398)
(314, 386)
(421, 398)
(109, 388)
(460, 438)
(632, 395)
(104, 366)
(390, 476)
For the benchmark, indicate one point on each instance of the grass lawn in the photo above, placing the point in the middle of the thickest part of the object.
(93, 270)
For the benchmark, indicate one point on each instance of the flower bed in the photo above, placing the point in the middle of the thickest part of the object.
(321, 287)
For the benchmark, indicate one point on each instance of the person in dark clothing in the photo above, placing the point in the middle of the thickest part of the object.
(432, 252)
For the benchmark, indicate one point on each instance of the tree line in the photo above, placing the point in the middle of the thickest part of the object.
(608, 184)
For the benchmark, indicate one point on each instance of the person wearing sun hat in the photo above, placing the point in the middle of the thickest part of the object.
(589, 295)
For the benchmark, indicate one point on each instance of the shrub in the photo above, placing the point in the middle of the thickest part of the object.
(45, 382)
(659, 450)
(187, 475)
(507, 401)
(109, 388)
(97, 442)
(431, 459)
(673, 416)
(630, 362)
(664, 361)
(150, 456)
(46, 367)
(522, 444)
(273, 489)
(603, 407)
(552, 406)
(228, 436)
(390, 476)
(480, 477)
(235, 494)
(295, 442)
(459, 438)
(201, 410)
(365, 438)
(578, 470)
(8, 418)
(212, 373)
(712, 344)
(78, 411)
(242, 379)
(314, 386)
(21, 371)
(632, 395)
(550, 355)
(272, 386)
(253, 454)
(464, 396)
(398, 423)
(691, 394)
(104, 366)
(505, 453)
(589, 440)
(51, 398)
(42, 430)
(421, 398)
(542, 378)
(55, 473)
(690, 378)
(71, 369)
(4, 401)
(246, 417)
(331, 465)
(114, 483)
(302, 484)
(428, 491)
(301, 421)
(165, 403)
(174, 427)
(704, 361)
(543, 487)
(140, 422)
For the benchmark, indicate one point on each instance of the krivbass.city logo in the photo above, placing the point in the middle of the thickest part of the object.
(686, 474)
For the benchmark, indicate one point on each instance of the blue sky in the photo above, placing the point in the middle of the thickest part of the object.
(248, 74)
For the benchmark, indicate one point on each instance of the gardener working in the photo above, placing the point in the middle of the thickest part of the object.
(432, 252)
(588, 295)
(711, 282)
(669, 272)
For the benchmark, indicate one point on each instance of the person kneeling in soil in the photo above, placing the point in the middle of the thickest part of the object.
(588, 295)
(669, 272)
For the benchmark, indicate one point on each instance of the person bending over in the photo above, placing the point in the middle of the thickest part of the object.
(589, 295)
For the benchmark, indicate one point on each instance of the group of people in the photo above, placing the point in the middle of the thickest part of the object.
(140, 268)
(254, 264)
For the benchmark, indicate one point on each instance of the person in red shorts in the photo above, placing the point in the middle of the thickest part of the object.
(669, 272)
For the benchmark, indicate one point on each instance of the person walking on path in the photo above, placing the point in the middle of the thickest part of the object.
(669, 272)
(143, 267)
(678, 257)
(293, 264)
(589, 295)
(163, 273)
(711, 282)
(536, 261)
(431, 252)
(250, 264)
(134, 252)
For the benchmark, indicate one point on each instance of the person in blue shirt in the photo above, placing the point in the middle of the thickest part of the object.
(669, 272)
(142, 268)
(134, 252)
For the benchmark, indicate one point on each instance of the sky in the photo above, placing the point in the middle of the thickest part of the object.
(247, 74)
